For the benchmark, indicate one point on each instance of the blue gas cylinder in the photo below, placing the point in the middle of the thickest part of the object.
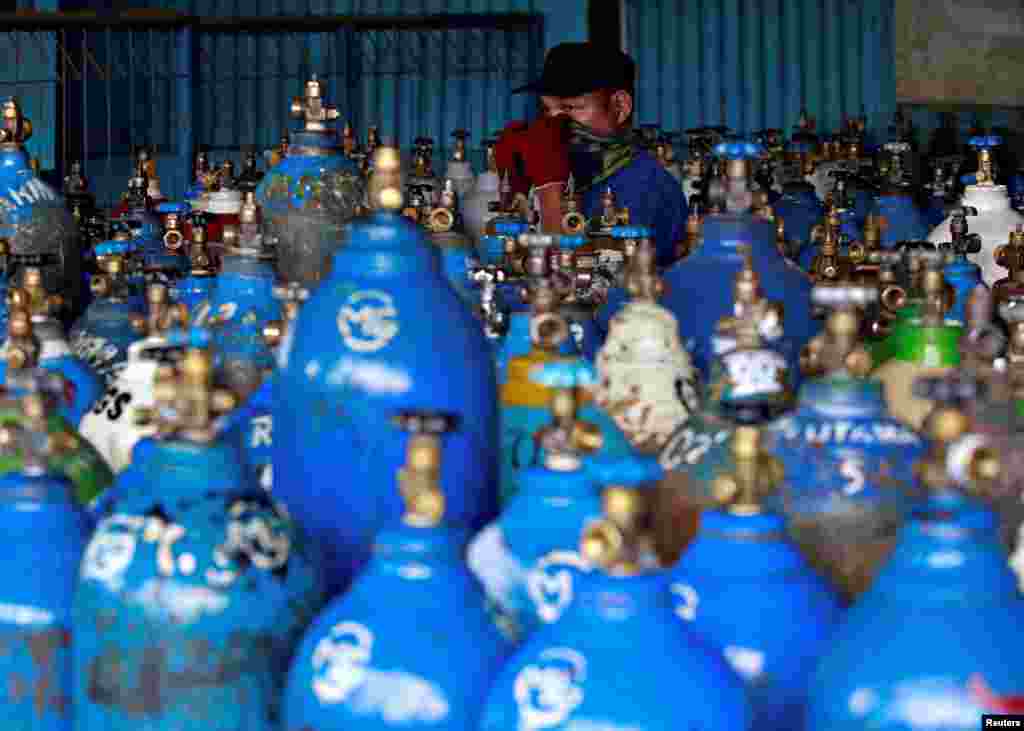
(916, 652)
(527, 560)
(197, 284)
(102, 334)
(848, 462)
(699, 289)
(899, 218)
(402, 664)
(384, 331)
(310, 195)
(43, 524)
(569, 674)
(240, 308)
(800, 211)
(743, 587)
(195, 587)
(33, 218)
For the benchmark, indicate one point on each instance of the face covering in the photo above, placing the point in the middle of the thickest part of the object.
(595, 158)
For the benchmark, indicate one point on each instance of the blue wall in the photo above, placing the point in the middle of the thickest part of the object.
(765, 58)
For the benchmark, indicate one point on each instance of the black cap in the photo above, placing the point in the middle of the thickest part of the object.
(574, 69)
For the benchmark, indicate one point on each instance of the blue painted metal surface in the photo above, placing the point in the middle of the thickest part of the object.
(521, 421)
(743, 587)
(366, 666)
(528, 560)
(181, 612)
(570, 674)
(801, 211)
(902, 220)
(42, 523)
(841, 444)
(937, 668)
(250, 428)
(357, 353)
(756, 64)
(241, 306)
(101, 336)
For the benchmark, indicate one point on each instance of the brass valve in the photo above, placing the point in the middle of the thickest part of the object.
(75, 182)
(200, 263)
(22, 349)
(751, 310)
(185, 401)
(573, 221)
(621, 543)
(566, 433)
(312, 109)
(1010, 256)
(32, 295)
(291, 296)
(15, 129)
(111, 281)
(162, 315)
(442, 218)
(945, 425)
(642, 281)
(935, 300)
(201, 166)
(839, 350)
(422, 161)
(279, 153)
(985, 175)
(459, 153)
(385, 186)
(174, 239)
(756, 474)
(349, 143)
(828, 265)
(860, 252)
(491, 161)
(419, 479)
(694, 230)
(611, 214)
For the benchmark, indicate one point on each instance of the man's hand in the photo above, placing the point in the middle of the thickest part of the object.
(534, 155)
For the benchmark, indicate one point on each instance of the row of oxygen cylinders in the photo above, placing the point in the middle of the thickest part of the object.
(189, 595)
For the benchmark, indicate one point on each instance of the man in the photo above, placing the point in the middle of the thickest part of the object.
(587, 130)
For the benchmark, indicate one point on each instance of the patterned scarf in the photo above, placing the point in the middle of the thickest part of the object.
(595, 158)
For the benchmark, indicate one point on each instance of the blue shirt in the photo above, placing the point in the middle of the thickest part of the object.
(654, 198)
